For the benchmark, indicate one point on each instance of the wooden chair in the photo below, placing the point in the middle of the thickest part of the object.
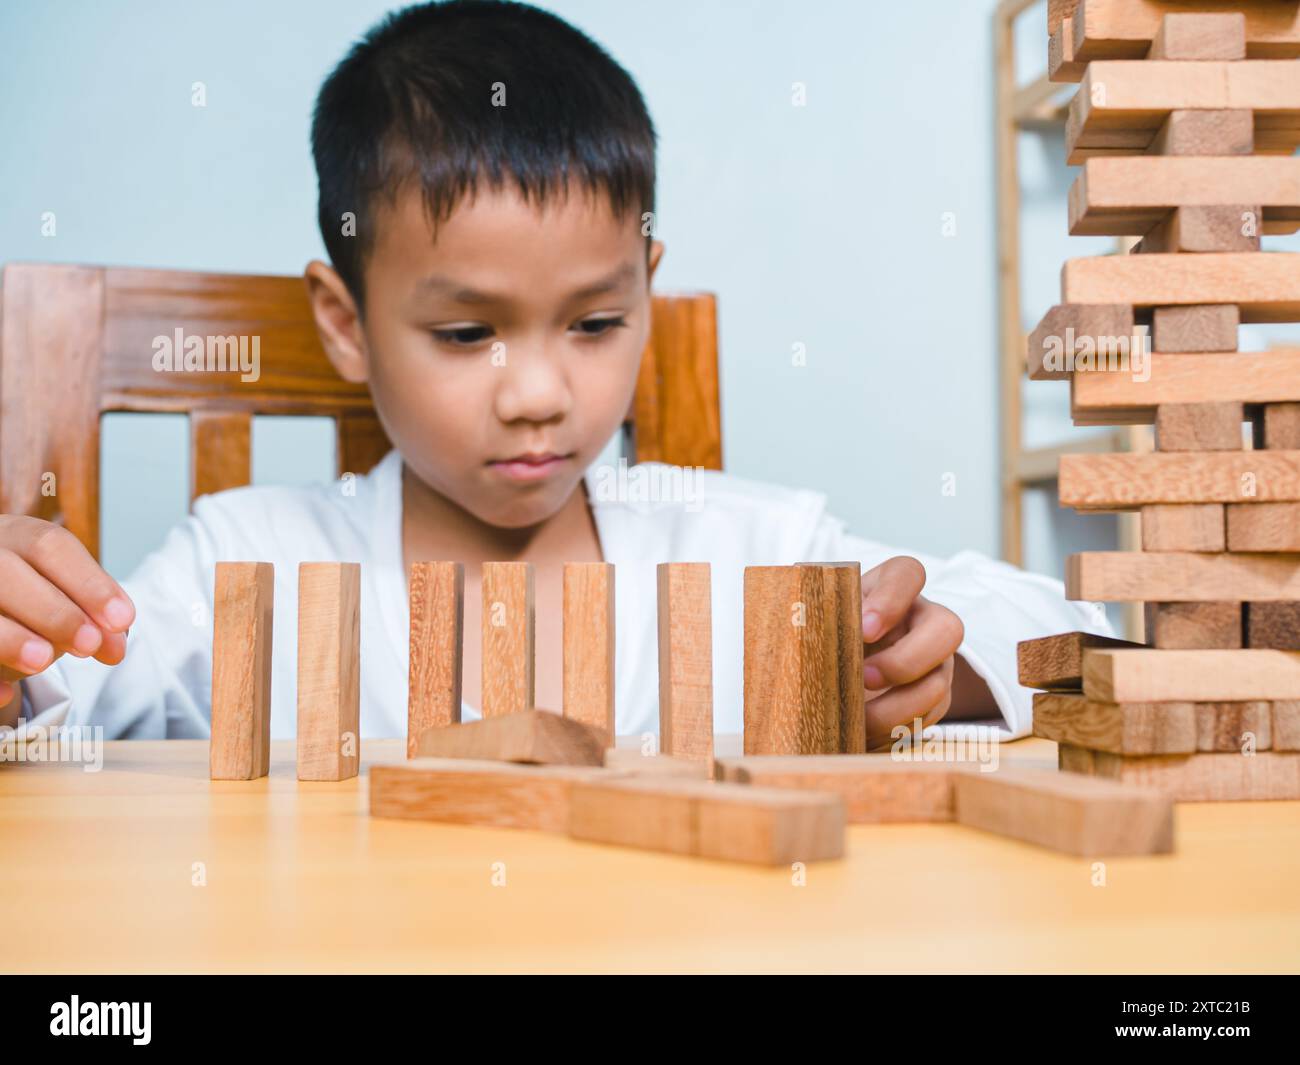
(77, 341)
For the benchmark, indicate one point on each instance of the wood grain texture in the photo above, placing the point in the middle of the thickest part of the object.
(1263, 527)
(509, 638)
(1265, 287)
(1280, 427)
(221, 448)
(1204, 133)
(1194, 626)
(588, 637)
(1286, 725)
(706, 819)
(1065, 813)
(1234, 726)
(329, 670)
(488, 794)
(1197, 35)
(1126, 29)
(437, 613)
(1200, 426)
(1198, 329)
(1184, 527)
(1127, 480)
(1124, 728)
(1202, 777)
(685, 633)
(1068, 330)
(1061, 64)
(1199, 229)
(635, 760)
(539, 737)
(1056, 662)
(1156, 676)
(1177, 576)
(843, 590)
(242, 612)
(1273, 625)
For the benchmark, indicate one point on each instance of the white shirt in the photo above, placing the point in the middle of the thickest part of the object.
(163, 686)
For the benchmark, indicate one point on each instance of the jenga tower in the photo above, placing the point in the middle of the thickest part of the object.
(1186, 123)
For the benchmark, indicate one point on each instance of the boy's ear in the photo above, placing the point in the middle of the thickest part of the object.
(656, 253)
(337, 321)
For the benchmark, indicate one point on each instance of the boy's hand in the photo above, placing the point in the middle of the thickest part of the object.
(54, 599)
(910, 648)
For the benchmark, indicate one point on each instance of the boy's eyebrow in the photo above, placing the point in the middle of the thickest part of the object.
(463, 294)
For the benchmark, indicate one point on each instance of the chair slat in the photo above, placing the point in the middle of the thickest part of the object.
(221, 450)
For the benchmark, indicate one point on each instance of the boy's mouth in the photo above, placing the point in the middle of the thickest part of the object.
(532, 466)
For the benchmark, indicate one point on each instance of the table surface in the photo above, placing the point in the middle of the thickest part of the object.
(147, 866)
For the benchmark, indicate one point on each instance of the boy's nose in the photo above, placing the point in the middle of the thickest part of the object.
(532, 388)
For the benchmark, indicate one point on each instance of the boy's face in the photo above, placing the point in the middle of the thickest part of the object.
(503, 354)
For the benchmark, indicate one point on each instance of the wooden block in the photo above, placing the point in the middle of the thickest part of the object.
(843, 591)
(1124, 728)
(1203, 777)
(1203, 328)
(1061, 812)
(1286, 725)
(1199, 426)
(1126, 29)
(490, 794)
(329, 670)
(1230, 726)
(535, 736)
(1101, 398)
(243, 604)
(791, 675)
(1192, 626)
(1265, 287)
(704, 819)
(1273, 625)
(1183, 527)
(1069, 332)
(1204, 133)
(685, 616)
(1154, 676)
(589, 644)
(1056, 662)
(1203, 229)
(508, 638)
(1061, 64)
(1180, 577)
(1205, 36)
(1057, 12)
(1126, 480)
(1263, 527)
(633, 760)
(1281, 427)
(437, 598)
(876, 788)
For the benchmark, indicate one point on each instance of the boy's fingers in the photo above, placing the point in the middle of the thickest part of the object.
(927, 698)
(888, 591)
(21, 650)
(8, 703)
(933, 634)
(113, 649)
(62, 559)
(33, 601)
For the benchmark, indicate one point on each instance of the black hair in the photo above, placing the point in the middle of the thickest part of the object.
(419, 99)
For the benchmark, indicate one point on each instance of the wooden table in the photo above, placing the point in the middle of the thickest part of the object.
(104, 871)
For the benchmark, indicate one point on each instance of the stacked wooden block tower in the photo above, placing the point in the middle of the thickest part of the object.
(1185, 124)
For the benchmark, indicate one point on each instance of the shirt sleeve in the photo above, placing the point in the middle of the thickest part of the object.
(999, 604)
(162, 687)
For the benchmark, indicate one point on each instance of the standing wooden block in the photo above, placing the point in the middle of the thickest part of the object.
(508, 638)
(1199, 426)
(1205, 133)
(243, 601)
(791, 676)
(589, 644)
(1229, 726)
(1189, 626)
(1280, 427)
(1286, 725)
(685, 625)
(1065, 813)
(1200, 228)
(437, 599)
(535, 736)
(731, 822)
(329, 670)
(1216, 35)
(1124, 728)
(1153, 676)
(1204, 328)
(1263, 527)
(1184, 527)
(1275, 625)
(1056, 662)
(843, 591)
(1202, 777)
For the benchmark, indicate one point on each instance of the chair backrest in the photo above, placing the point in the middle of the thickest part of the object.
(78, 341)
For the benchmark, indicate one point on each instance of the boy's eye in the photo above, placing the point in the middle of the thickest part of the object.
(464, 336)
(600, 326)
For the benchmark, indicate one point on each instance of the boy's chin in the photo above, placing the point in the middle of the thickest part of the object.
(523, 508)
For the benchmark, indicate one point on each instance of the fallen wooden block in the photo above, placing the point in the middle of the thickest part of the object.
(1184, 527)
(1061, 812)
(1126, 29)
(329, 670)
(1200, 426)
(1263, 526)
(1122, 728)
(508, 638)
(685, 629)
(588, 634)
(1204, 133)
(705, 819)
(1200, 35)
(1125, 480)
(1192, 626)
(1273, 625)
(242, 607)
(632, 760)
(1204, 777)
(489, 794)
(1280, 427)
(1285, 725)
(1071, 331)
(1175, 576)
(437, 598)
(1156, 676)
(534, 736)
(1056, 662)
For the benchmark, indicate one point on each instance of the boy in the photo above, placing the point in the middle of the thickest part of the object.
(485, 173)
